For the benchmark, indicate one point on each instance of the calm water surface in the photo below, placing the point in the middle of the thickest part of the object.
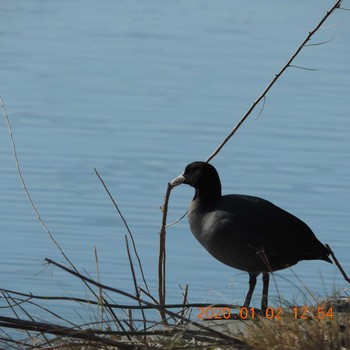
(138, 89)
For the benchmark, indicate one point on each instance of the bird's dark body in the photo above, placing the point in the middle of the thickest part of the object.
(246, 232)
(253, 234)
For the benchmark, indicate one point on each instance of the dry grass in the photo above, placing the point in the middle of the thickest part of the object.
(304, 331)
(318, 328)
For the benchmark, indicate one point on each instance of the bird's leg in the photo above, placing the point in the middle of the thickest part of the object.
(265, 292)
(252, 283)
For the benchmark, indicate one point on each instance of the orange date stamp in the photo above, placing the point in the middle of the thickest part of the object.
(244, 313)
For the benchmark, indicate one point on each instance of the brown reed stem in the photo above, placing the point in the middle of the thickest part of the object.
(162, 255)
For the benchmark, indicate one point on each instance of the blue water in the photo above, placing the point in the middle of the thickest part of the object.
(138, 89)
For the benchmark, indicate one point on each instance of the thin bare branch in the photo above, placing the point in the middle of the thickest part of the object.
(126, 226)
(262, 108)
(48, 328)
(273, 81)
(303, 68)
(153, 305)
(132, 297)
(321, 42)
(19, 171)
(184, 309)
(30, 198)
(176, 221)
(137, 292)
(162, 254)
(346, 277)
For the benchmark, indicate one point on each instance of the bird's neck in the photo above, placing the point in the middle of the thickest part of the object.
(208, 195)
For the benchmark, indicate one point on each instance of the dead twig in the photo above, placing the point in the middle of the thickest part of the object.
(346, 277)
(211, 331)
(277, 76)
(303, 68)
(126, 226)
(162, 254)
(137, 291)
(321, 42)
(47, 328)
(184, 302)
(28, 297)
(29, 197)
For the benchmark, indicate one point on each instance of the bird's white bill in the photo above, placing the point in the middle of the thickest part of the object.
(177, 181)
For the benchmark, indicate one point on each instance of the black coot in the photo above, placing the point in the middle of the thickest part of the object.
(246, 232)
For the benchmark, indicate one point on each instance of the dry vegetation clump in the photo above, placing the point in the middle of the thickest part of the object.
(314, 331)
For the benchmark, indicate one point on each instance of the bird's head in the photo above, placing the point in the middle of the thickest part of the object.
(203, 177)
